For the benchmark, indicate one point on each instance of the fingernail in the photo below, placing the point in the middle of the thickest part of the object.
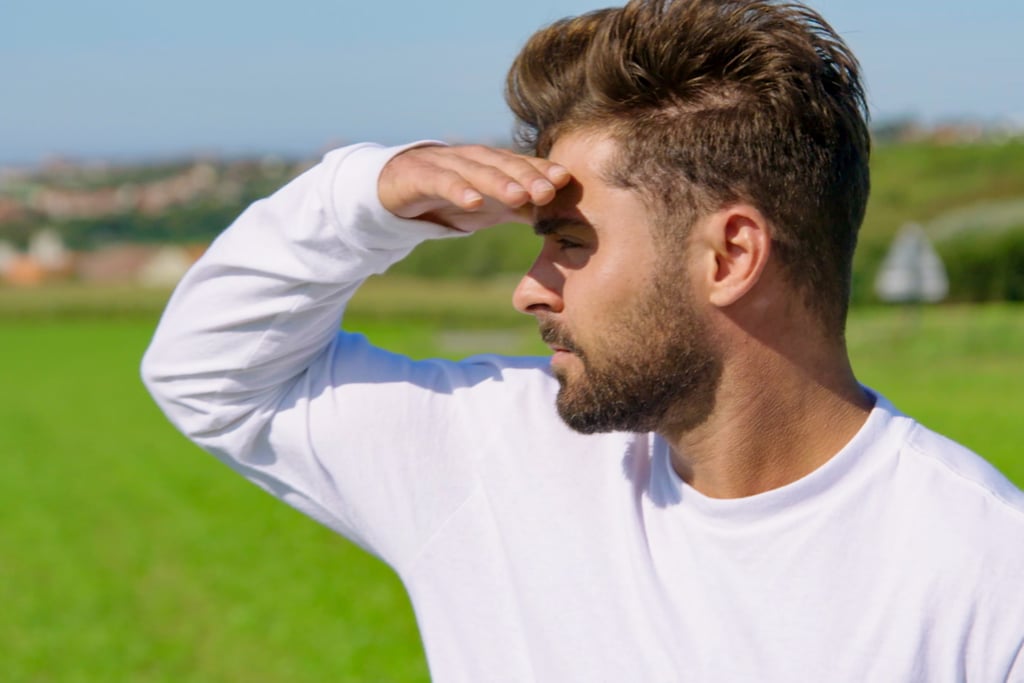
(542, 187)
(558, 172)
(515, 188)
(471, 196)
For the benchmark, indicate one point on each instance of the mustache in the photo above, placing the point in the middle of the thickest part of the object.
(553, 335)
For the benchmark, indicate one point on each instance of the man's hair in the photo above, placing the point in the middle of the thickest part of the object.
(712, 102)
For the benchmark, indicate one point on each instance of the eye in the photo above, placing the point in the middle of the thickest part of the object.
(569, 251)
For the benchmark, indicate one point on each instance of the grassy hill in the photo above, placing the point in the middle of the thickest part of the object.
(918, 182)
(929, 184)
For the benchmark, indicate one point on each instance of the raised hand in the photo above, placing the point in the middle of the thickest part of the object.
(468, 188)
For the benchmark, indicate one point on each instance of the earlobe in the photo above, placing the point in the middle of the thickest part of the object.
(741, 238)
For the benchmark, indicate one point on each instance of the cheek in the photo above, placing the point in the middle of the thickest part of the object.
(608, 282)
(602, 298)
(601, 321)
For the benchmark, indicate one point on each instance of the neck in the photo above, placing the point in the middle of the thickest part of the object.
(775, 420)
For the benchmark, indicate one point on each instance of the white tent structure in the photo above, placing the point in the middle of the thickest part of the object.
(912, 271)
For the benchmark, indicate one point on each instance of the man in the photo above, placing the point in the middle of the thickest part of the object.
(717, 498)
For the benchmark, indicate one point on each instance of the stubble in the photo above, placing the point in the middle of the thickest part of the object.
(655, 368)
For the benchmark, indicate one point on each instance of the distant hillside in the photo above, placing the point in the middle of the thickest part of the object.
(93, 205)
(919, 182)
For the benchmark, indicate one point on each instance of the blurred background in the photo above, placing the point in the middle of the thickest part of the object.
(132, 133)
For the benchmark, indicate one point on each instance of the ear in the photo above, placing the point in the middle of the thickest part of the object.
(738, 243)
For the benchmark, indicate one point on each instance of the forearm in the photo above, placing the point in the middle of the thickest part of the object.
(249, 363)
(268, 295)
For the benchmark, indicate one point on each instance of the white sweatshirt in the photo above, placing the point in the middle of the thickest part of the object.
(533, 553)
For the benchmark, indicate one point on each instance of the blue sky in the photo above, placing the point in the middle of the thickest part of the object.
(113, 78)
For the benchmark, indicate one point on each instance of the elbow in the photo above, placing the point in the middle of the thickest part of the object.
(160, 384)
(174, 392)
(156, 381)
(149, 372)
(196, 403)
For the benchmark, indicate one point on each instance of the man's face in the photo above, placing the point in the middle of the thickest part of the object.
(631, 350)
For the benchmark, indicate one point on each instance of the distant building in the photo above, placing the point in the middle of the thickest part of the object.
(912, 271)
(114, 264)
(10, 210)
(8, 255)
(147, 265)
(47, 248)
(45, 261)
(165, 267)
(24, 271)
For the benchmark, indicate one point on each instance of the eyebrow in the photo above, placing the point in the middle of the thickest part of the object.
(547, 226)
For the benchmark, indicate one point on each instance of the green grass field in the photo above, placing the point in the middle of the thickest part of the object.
(128, 555)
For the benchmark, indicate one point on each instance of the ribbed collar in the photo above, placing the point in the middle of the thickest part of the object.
(847, 468)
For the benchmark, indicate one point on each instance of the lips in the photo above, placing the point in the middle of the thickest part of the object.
(555, 338)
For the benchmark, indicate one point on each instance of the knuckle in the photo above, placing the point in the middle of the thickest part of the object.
(451, 182)
(474, 150)
(496, 175)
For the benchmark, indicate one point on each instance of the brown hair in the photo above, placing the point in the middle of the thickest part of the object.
(713, 102)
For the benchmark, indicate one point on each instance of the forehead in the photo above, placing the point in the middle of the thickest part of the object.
(589, 156)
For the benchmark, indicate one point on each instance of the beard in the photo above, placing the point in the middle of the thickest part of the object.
(656, 370)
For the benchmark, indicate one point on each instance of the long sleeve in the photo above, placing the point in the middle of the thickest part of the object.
(249, 363)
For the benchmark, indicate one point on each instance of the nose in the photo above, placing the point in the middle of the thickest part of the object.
(540, 289)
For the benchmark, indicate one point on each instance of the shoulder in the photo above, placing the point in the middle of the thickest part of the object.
(956, 524)
(962, 472)
(927, 466)
(957, 507)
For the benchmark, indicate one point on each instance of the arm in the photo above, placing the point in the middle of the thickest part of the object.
(248, 361)
(1017, 668)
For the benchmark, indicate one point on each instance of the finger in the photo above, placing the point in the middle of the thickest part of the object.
(526, 169)
(452, 186)
(556, 173)
(471, 178)
(491, 181)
